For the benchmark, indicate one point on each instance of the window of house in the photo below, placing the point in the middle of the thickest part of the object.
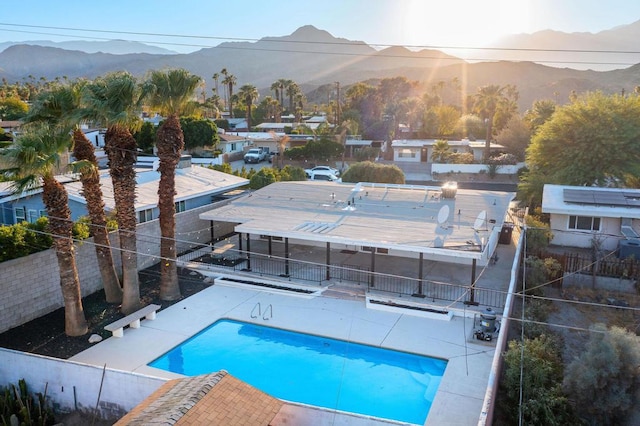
(145, 215)
(20, 215)
(233, 147)
(32, 216)
(584, 223)
(180, 206)
(407, 153)
(43, 213)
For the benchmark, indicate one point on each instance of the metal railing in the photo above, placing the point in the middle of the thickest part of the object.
(298, 270)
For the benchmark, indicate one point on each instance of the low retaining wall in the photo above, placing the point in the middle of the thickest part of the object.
(474, 168)
(30, 286)
(74, 386)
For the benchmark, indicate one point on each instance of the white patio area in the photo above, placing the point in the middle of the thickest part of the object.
(340, 313)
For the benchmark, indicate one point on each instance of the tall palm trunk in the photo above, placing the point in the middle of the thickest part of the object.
(57, 203)
(121, 150)
(170, 144)
(83, 150)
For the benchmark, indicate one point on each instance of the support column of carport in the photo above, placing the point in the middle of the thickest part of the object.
(420, 292)
(286, 257)
(472, 289)
(248, 252)
(328, 263)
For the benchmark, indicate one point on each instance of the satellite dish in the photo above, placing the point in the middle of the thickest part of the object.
(443, 214)
(480, 221)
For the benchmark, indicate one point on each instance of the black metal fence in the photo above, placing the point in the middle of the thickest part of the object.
(299, 270)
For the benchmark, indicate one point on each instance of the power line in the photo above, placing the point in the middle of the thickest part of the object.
(319, 52)
(324, 43)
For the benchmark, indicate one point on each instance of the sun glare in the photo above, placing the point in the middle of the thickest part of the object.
(464, 23)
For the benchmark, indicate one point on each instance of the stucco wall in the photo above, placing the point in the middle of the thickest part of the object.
(30, 286)
(609, 234)
(71, 385)
(474, 168)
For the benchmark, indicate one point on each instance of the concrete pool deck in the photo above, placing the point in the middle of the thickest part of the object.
(340, 314)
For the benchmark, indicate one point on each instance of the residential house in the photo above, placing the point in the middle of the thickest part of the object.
(421, 150)
(195, 187)
(582, 215)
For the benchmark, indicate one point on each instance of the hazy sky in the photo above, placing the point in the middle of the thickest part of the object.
(382, 22)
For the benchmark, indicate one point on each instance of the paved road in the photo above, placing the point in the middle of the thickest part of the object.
(237, 165)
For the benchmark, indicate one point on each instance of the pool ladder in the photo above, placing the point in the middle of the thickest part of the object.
(257, 312)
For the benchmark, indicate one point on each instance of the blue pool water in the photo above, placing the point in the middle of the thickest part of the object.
(313, 370)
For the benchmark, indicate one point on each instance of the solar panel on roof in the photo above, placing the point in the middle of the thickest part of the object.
(602, 198)
(579, 196)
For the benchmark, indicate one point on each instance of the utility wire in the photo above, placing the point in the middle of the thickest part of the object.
(320, 52)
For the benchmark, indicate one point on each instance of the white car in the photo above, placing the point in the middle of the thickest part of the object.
(324, 175)
(324, 169)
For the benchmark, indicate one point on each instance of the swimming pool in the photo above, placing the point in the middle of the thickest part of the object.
(313, 370)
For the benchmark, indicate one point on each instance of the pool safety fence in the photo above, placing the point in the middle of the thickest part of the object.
(298, 270)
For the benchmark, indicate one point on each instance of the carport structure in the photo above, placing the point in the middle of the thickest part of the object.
(442, 224)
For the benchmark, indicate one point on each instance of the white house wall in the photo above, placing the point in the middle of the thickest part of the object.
(609, 233)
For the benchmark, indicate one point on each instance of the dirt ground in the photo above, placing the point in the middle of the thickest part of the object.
(45, 335)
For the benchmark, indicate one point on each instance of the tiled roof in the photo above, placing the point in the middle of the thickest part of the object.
(211, 399)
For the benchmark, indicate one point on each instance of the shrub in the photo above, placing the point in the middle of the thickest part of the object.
(605, 380)
(543, 400)
(19, 407)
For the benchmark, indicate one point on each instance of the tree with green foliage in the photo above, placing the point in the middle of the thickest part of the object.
(248, 94)
(199, 133)
(32, 160)
(535, 368)
(604, 381)
(540, 113)
(58, 107)
(13, 109)
(591, 141)
(515, 137)
(538, 235)
(292, 173)
(486, 102)
(265, 176)
(115, 101)
(171, 92)
(373, 172)
(146, 137)
(441, 152)
(24, 238)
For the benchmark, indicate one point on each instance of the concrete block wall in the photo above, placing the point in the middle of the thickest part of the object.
(71, 385)
(30, 286)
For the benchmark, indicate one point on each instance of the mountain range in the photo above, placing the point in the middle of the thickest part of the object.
(314, 58)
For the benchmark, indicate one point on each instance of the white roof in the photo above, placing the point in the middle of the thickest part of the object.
(257, 135)
(358, 142)
(190, 182)
(554, 201)
(405, 217)
(418, 143)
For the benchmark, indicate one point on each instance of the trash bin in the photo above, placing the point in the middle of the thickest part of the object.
(505, 233)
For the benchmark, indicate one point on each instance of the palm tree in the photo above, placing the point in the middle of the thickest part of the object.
(275, 86)
(58, 107)
(230, 80)
(216, 77)
(486, 103)
(248, 94)
(172, 92)
(292, 90)
(225, 73)
(441, 151)
(115, 101)
(33, 157)
(282, 85)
